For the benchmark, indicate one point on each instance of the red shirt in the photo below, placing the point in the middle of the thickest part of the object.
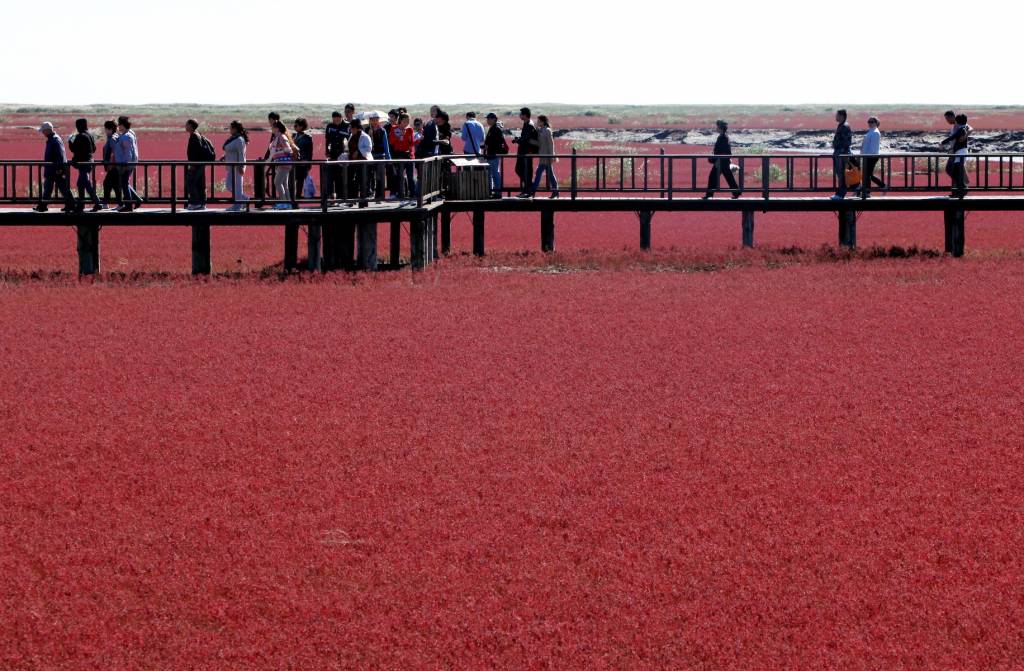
(400, 140)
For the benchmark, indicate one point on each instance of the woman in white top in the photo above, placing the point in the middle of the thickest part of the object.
(234, 152)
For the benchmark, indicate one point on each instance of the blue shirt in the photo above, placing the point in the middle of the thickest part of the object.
(872, 143)
(127, 149)
(472, 137)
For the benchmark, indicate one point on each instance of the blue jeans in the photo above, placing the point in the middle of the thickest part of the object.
(839, 169)
(84, 184)
(494, 174)
(552, 182)
(127, 191)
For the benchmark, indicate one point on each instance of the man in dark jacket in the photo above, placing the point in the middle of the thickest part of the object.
(528, 144)
(111, 180)
(336, 145)
(304, 141)
(722, 166)
(195, 175)
(841, 144)
(83, 146)
(494, 148)
(428, 145)
(55, 173)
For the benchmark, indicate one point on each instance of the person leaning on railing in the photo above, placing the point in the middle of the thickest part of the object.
(234, 152)
(842, 142)
(55, 172)
(126, 155)
(360, 148)
(722, 166)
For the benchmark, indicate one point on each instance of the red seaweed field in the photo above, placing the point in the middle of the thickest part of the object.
(696, 457)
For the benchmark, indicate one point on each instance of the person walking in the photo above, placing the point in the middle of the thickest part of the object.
(304, 142)
(722, 165)
(126, 154)
(472, 135)
(956, 166)
(380, 149)
(401, 140)
(494, 148)
(842, 142)
(198, 152)
(282, 152)
(546, 159)
(263, 172)
(83, 147)
(870, 148)
(111, 180)
(234, 152)
(527, 145)
(55, 173)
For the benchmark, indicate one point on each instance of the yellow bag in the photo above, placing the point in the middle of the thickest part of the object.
(853, 175)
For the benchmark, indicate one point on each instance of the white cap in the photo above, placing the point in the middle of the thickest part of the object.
(46, 125)
(373, 115)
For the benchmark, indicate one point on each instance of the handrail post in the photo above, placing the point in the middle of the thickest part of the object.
(669, 178)
(765, 176)
(323, 184)
(572, 162)
(174, 189)
(422, 173)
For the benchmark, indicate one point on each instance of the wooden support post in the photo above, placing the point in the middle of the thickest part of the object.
(848, 228)
(954, 220)
(367, 245)
(88, 248)
(748, 228)
(201, 249)
(446, 232)
(328, 237)
(432, 234)
(291, 246)
(478, 232)
(396, 243)
(419, 242)
(314, 258)
(346, 245)
(645, 228)
(547, 230)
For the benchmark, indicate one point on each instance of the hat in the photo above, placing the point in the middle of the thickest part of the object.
(373, 115)
(492, 115)
(46, 125)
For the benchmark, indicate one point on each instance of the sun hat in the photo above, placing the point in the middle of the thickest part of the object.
(46, 125)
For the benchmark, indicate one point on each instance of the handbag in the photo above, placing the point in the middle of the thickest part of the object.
(853, 176)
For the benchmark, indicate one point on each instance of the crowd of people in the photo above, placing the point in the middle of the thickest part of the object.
(282, 175)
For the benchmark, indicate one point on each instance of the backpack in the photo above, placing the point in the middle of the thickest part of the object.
(209, 153)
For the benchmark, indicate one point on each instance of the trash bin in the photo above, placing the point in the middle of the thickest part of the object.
(469, 182)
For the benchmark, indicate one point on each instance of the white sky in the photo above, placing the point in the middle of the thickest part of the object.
(636, 52)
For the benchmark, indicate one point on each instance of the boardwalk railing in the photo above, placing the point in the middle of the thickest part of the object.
(671, 175)
(165, 182)
(580, 175)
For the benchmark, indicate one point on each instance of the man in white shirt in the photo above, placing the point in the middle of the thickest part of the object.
(870, 147)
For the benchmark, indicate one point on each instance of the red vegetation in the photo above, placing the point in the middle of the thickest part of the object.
(812, 467)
